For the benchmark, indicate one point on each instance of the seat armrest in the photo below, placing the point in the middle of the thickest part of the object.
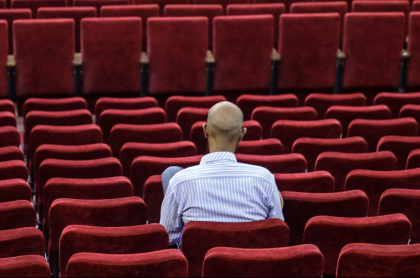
(144, 74)
(275, 56)
(77, 62)
(209, 73)
(144, 60)
(405, 60)
(209, 58)
(11, 61)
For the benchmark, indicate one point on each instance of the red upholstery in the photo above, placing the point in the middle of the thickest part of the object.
(200, 237)
(321, 102)
(254, 130)
(175, 103)
(396, 101)
(17, 214)
(142, 11)
(373, 130)
(110, 240)
(300, 207)
(39, 62)
(121, 212)
(288, 131)
(374, 183)
(267, 116)
(410, 110)
(373, 30)
(401, 146)
(14, 169)
(330, 234)
(361, 259)
(145, 166)
(405, 201)
(105, 67)
(248, 103)
(346, 114)
(308, 45)
(177, 50)
(159, 133)
(3, 58)
(9, 136)
(413, 46)
(413, 160)
(14, 189)
(7, 118)
(242, 59)
(312, 147)
(21, 242)
(209, 11)
(10, 153)
(284, 163)
(25, 266)
(132, 150)
(416, 6)
(111, 117)
(161, 3)
(33, 5)
(188, 116)
(296, 261)
(97, 188)
(164, 263)
(253, 9)
(224, 3)
(7, 104)
(153, 197)
(270, 146)
(98, 4)
(11, 15)
(314, 182)
(60, 104)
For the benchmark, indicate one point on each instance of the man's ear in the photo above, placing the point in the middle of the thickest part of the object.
(205, 126)
(243, 132)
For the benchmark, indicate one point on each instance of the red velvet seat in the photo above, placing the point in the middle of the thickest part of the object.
(17, 214)
(322, 102)
(11, 15)
(7, 118)
(305, 62)
(142, 11)
(374, 183)
(284, 163)
(313, 182)
(170, 41)
(267, 116)
(76, 13)
(188, 116)
(132, 150)
(115, 69)
(111, 117)
(341, 164)
(300, 207)
(416, 6)
(311, 148)
(25, 266)
(330, 234)
(248, 103)
(153, 197)
(401, 146)
(296, 261)
(110, 240)
(21, 242)
(410, 110)
(159, 133)
(270, 146)
(7, 104)
(405, 201)
(161, 3)
(145, 166)
(10, 153)
(175, 103)
(38, 61)
(413, 160)
(288, 131)
(48, 104)
(413, 48)
(396, 101)
(209, 11)
(361, 259)
(200, 237)
(346, 114)
(14, 189)
(373, 130)
(98, 4)
(34, 5)
(224, 3)
(14, 169)
(9, 136)
(3, 59)
(164, 263)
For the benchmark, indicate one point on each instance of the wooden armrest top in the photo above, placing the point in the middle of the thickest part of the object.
(77, 59)
(405, 54)
(340, 54)
(209, 58)
(144, 59)
(11, 61)
(275, 56)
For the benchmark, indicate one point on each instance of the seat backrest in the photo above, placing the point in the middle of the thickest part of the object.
(11, 15)
(21, 242)
(3, 57)
(14, 169)
(188, 116)
(413, 160)
(123, 40)
(17, 214)
(400, 146)
(273, 262)
(48, 104)
(14, 189)
(7, 118)
(200, 237)
(99, 4)
(410, 110)
(313, 182)
(270, 146)
(11, 153)
(224, 3)
(161, 3)
(38, 61)
(20, 266)
(396, 101)
(283, 163)
(9, 136)
(340, 231)
(7, 105)
(153, 197)
(36, 4)
(413, 46)
(381, 31)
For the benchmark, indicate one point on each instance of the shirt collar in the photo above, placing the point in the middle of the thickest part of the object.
(217, 156)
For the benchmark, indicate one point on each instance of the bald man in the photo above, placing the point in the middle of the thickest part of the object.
(219, 189)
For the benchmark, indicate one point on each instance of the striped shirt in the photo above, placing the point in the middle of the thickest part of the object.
(219, 190)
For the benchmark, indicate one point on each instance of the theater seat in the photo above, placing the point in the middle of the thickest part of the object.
(98, 4)
(10, 153)
(224, 3)
(21, 242)
(11, 15)
(413, 48)
(34, 5)
(14, 169)
(284, 163)
(7, 119)
(3, 59)
(188, 116)
(6, 105)
(25, 266)
(153, 197)
(413, 160)
(9, 136)
(313, 182)
(396, 101)
(400, 146)
(50, 104)
(14, 189)
(410, 110)
(17, 214)
(161, 3)
(270, 146)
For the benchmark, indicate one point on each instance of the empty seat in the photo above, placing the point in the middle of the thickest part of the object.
(14, 189)
(373, 130)
(173, 67)
(34, 5)
(410, 110)
(288, 131)
(153, 197)
(164, 263)
(110, 240)
(362, 259)
(200, 237)
(76, 13)
(14, 169)
(21, 242)
(60, 104)
(224, 3)
(300, 207)
(270, 146)
(132, 150)
(296, 261)
(413, 48)
(159, 133)
(413, 160)
(7, 105)
(396, 101)
(17, 214)
(313, 182)
(10, 153)
(267, 116)
(322, 102)
(161, 3)
(98, 4)
(25, 266)
(3, 59)
(9, 136)
(11, 15)
(188, 116)
(401, 146)
(311, 148)
(330, 234)
(7, 118)
(416, 6)
(284, 163)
